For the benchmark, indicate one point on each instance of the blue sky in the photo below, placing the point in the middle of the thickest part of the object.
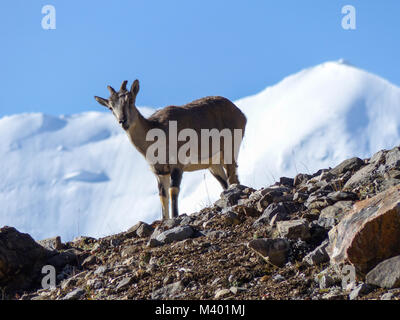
(180, 50)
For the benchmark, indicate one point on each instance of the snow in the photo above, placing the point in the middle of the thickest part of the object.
(79, 175)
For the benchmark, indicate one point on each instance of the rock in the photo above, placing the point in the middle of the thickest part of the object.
(318, 255)
(392, 158)
(69, 256)
(168, 291)
(51, 243)
(327, 278)
(300, 197)
(387, 296)
(341, 196)
(352, 164)
(326, 281)
(231, 218)
(21, 260)
(274, 209)
(175, 234)
(386, 274)
(235, 290)
(274, 251)
(231, 196)
(294, 229)
(330, 216)
(362, 177)
(154, 243)
(144, 230)
(124, 283)
(300, 178)
(369, 234)
(278, 278)
(288, 182)
(222, 293)
(75, 294)
(216, 234)
(360, 290)
(334, 294)
(91, 260)
(378, 158)
(101, 270)
(171, 223)
(273, 194)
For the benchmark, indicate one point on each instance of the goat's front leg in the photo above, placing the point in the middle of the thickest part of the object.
(176, 178)
(163, 185)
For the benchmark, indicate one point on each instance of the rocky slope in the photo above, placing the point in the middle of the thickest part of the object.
(301, 238)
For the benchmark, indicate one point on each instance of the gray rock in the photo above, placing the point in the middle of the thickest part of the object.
(231, 196)
(393, 158)
(21, 259)
(124, 283)
(69, 256)
(360, 290)
(91, 260)
(318, 255)
(171, 223)
(362, 177)
(144, 230)
(220, 293)
(326, 281)
(342, 196)
(294, 229)
(175, 234)
(187, 220)
(274, 209)
(101, 270)
(330, 216)
(352, 164)
(300, 178)
(387, 296)
(168, 291)
(386, 274)
(300, 197)
(75, 294)
(274, 251)
(378, 158)
(288, 182)
(216, 234)
(51, 243)
(153, 242)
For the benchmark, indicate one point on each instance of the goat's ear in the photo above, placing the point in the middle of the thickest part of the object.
(102, 101)
(135, 87)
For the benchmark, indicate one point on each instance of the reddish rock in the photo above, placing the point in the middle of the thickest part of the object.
(369, 233)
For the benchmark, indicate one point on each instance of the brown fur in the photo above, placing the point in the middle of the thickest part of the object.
(206, 113)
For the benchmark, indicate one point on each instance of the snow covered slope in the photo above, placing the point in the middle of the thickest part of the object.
(79, 175)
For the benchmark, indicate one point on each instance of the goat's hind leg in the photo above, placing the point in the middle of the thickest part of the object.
(218, 172)
(231, 170)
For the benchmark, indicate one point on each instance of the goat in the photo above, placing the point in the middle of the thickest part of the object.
(215, 114)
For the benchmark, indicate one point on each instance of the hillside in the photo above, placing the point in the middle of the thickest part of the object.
(78, 174)
(296, 239)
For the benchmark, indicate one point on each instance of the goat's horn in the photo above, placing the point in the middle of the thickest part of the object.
(123, 86)
(112, 91)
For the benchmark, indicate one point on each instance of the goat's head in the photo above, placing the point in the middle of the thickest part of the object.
(122, 103)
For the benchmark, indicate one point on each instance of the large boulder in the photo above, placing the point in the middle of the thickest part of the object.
(369, 233)
(21, 259)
